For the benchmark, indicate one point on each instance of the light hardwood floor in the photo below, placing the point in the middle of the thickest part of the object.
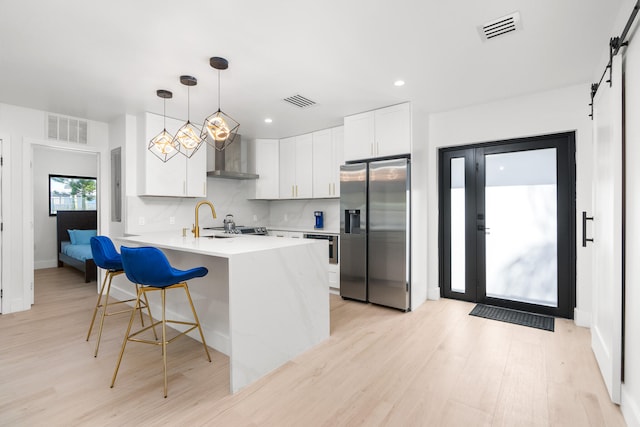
(436, 366)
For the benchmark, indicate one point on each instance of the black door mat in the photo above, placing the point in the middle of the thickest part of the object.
(513, 316)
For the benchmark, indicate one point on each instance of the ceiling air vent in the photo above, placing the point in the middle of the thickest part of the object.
(501, 26)
(299, 101)
(67, 129)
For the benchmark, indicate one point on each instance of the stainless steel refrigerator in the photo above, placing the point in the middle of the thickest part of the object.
(375, 226)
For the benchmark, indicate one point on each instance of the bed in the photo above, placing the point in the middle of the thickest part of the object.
(74, 249)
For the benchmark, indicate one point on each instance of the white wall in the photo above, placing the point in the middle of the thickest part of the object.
(47, 160)
(555, 111)
(26, 128)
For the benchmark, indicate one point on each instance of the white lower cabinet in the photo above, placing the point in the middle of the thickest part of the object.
(334, 276)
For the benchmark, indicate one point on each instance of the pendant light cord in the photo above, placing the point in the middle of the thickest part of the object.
(188, 104)
(218, 90)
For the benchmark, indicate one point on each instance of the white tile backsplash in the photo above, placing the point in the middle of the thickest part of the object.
(299, 213)
(150, 214)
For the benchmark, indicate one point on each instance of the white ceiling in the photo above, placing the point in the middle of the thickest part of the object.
(99, 60)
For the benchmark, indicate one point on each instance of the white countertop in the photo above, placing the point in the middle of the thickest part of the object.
(223, 246)
(304, 229)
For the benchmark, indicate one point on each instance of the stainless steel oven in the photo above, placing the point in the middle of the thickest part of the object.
(333, 244)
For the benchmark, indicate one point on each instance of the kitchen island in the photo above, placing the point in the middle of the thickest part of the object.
(264, 301)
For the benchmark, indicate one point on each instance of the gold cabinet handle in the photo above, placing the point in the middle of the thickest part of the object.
(296, 190)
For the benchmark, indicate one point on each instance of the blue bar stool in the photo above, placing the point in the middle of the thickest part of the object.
(150, 268)
(106, 257)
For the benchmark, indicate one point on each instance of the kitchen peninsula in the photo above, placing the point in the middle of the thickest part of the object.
(264, 301)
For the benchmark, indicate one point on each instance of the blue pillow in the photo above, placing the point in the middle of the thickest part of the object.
(81, 237)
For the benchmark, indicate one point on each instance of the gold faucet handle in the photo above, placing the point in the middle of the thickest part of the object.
(193, 228)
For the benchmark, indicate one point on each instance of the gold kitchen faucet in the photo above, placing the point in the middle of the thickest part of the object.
(196, 227)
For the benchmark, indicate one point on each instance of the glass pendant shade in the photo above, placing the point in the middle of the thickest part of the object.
(162, 145)
(188, 138)
(219, 130)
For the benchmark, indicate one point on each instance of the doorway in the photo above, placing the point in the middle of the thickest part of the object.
(507, 224)
(30, 199)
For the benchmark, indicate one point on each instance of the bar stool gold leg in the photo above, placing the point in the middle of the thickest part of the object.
(104, 311)
(146, 305)
(126, 337)
(164, 339)
(195, 317)
(95, 310)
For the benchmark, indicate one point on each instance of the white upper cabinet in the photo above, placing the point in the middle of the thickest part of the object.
(296, 167)
(359, 136)
(327, 158)
(393, 130)
(337, 141)
(267, 167)
(178, 177)
(378, 133)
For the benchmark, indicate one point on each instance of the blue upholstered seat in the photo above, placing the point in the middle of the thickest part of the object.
(104, 253)
(106, 257)
(150, 267)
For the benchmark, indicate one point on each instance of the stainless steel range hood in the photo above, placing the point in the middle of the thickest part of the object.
(234, 162)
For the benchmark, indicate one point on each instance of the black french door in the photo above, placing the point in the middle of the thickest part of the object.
(507, 224)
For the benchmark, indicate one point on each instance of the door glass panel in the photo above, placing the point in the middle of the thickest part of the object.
(457, 225)
(521, 226)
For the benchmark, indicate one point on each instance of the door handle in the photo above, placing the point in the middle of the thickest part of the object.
(585, 218)
(483, 228)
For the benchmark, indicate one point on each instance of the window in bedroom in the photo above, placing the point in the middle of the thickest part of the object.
(72, 193)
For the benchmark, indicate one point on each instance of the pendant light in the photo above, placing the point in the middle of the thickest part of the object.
(219, 129)
(188, 138)
(163, 144)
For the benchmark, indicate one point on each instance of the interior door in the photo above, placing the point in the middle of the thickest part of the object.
(508, 224)
(606, 327)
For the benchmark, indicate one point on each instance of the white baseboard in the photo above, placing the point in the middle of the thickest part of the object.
(433, 293)
(630, 409)
(582, 318)
(48, 263)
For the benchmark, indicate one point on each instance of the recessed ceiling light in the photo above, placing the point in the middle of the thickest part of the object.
(398, 83)
(268, 120)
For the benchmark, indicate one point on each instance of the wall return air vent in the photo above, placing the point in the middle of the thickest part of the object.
(67, 129)
(299, 101)
(501, 26)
